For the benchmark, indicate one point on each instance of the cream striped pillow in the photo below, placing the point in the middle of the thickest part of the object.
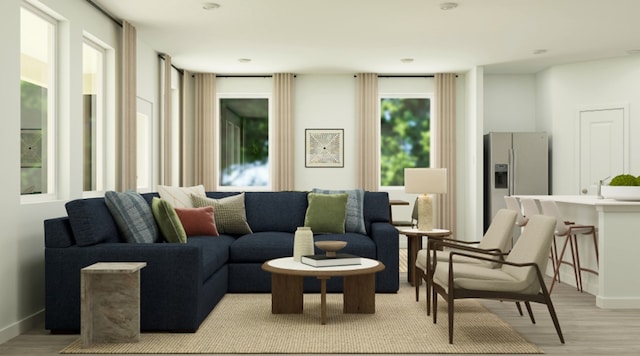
(180, 197)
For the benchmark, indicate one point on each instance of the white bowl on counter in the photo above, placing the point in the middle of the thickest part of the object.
(628, 193)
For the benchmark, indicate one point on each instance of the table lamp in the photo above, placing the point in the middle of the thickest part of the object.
(425, 181)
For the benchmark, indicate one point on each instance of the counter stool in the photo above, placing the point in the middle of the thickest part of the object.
(570, 231)
(529, 209)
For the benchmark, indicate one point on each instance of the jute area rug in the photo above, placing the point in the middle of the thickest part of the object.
(243, 324)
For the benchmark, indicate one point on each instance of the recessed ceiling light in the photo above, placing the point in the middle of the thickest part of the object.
(244, 60)
(406, 60)
(210, 6)
(540, 51)
(633, 51)
(448, 6)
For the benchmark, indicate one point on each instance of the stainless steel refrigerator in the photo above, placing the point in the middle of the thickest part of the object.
(515, 163)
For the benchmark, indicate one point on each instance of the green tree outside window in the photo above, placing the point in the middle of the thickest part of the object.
(405, 137)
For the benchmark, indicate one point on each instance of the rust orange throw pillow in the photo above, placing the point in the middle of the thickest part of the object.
(198, 221)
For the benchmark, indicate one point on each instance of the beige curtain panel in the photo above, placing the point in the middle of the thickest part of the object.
(367, 121)
(126, 174)
(205, 155)
(283, 177)
(443, 131)
(187, 124)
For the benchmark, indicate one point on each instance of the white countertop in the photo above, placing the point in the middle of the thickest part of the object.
(581, 199)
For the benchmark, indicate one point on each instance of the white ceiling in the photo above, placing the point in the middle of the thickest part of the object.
(350, 36)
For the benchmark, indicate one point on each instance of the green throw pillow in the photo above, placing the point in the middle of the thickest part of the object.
(326, 213)
(355, 214)
(168, 221)
(229, 213)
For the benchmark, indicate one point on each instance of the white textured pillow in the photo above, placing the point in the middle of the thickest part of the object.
(180, 197)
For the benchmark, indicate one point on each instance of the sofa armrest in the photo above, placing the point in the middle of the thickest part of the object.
(170, 282)
(386, 239)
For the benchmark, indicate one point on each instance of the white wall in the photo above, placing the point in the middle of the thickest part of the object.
(509, 103)
(22, 243)
(564, 90)
(325, 102)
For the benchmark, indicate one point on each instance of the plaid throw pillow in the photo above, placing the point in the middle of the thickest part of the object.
(229, 213)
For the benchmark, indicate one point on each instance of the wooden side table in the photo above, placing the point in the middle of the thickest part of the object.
(110, 302)
(414, 237)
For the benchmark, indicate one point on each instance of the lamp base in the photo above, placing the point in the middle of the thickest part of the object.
(425, 213)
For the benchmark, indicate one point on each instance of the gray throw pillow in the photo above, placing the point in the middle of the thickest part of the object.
(229, 213)
(133, 216)
(355, 208)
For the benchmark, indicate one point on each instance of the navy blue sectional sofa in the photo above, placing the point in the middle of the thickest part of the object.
(182, 283)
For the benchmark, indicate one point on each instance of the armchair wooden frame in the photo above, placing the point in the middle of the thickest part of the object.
(451, 293)
(443, 242)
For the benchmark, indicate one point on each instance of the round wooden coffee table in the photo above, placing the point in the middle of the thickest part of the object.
(287, 285)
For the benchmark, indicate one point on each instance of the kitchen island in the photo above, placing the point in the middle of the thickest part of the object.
(618, 229)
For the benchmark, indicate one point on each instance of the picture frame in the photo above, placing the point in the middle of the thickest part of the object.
(31, 148)
(324, 148)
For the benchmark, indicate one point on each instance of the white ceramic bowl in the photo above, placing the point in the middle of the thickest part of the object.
(630, 193)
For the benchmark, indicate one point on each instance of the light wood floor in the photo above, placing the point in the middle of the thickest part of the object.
(587, 329)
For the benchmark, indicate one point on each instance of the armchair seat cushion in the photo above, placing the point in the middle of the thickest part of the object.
(443, 257)
(474, 277)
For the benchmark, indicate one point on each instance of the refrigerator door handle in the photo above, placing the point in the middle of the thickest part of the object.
(510, 171)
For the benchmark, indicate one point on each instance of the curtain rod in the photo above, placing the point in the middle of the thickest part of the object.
(104, 12)
(161, 55)
(404, 76)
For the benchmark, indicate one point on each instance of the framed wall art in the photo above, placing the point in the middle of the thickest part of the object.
(324, 148)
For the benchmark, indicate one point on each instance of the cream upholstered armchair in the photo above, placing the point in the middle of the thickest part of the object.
(520, 277)
(496, 240)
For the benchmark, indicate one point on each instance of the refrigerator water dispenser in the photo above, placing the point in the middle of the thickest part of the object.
(501, 176)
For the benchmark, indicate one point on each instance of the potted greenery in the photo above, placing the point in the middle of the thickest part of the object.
(622, 187)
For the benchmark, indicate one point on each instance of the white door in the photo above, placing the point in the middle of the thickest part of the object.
(602, 146)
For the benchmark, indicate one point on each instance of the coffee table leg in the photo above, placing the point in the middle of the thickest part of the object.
(286, 294)
(323, 299)
(359, 294)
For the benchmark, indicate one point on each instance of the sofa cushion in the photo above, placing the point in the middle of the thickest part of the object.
(133, 216)
(198, 221)
(229, 213)
(326, 213)
(355, 206)
(261, 246)
(168, 221)
(275, 211)
(214, 252)
(180, 197)
(91, 222)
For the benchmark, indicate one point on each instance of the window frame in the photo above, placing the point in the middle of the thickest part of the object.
(218, 132)
(53, 98)
(399, 95)
(99, 132)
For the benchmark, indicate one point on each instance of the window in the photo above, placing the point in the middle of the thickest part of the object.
(244, 142)
(37, 101)
(93, 98)
(144, 122)
(405, 137)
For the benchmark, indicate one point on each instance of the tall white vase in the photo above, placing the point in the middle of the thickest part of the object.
(302, 243)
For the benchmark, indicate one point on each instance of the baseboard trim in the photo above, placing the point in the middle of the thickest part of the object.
(618, 302)
(9, 332)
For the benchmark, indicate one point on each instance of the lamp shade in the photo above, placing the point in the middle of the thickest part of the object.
(425, 180)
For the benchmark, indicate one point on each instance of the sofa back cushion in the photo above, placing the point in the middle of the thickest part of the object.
(275, 211)
(376, 208)
(91, 222)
